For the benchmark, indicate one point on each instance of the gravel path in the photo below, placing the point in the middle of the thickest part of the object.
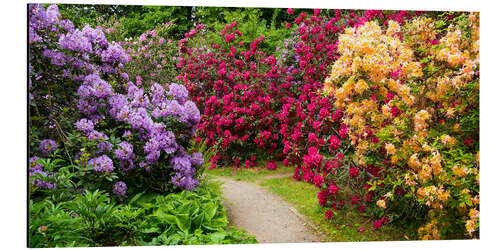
(265, 215)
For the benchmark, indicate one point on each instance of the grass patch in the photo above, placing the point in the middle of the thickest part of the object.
(303, 196)
(208, 182)
(250, 174)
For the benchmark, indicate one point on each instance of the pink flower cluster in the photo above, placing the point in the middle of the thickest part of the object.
(238, 91)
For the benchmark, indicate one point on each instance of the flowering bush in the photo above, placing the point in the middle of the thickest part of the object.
(314, 138)
(153, 56)
(110, 128)
(112, 27)
(305, 115)
(252, 23)
(238, 92)
(418, 128)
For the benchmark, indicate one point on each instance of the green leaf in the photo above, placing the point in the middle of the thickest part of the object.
(151, 230)
(198, 220)
(170, 219)
(218, 237)
(183, 222)
(184, 208)
(468, 202)
(210, 210)
(136, 197)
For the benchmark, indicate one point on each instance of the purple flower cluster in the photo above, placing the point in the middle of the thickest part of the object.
(52, 15)
(78, 48)
(56, 58)
(82, 41)
(182, 163)
(34, 165)
(125, 152)
(75, 41)
(140, 120)
(95, 36)
(178, 92)
(114, 53)
(185, 166)
(47, 146)
(67, 25)
(95, 135)
(173, 108)
(85, 125)
(191, 113)
(186, 182)
(140, 108)
(197, 159)
(101, 164)
(39, 19)
(161, 141)
(120, 189)
(186, 113)
(126, 156)
(120, 110)
(85, 46)
(137, 97)
(89, 42)
(104, 146)
(37, 168)
(94, 87)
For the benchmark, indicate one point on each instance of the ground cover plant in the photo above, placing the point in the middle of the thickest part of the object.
(375, 114)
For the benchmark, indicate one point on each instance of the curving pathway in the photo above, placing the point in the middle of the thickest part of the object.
(265, 215)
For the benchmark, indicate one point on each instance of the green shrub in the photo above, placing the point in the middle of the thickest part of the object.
(197, 217)
(52, 226)
(92, 219)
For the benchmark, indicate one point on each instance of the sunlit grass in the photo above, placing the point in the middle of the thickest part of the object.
(250, 174)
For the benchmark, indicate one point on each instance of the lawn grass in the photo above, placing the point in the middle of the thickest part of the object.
(250, 174)
(303, 196)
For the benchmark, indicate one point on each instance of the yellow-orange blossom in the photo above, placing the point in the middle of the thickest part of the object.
(369, 59)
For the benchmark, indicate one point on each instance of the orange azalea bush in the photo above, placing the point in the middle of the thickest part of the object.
(416, 89)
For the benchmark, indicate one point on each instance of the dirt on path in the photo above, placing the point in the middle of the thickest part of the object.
(265, 215)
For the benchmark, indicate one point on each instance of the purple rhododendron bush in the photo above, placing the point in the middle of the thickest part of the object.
(376, 110)
(111, 158)
(87, 111)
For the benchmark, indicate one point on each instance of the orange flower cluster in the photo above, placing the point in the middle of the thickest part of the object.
(413, 92)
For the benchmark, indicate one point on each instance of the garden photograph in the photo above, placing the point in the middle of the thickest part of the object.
(161, 125)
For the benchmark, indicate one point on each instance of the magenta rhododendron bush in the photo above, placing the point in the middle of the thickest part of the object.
(239, 91)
